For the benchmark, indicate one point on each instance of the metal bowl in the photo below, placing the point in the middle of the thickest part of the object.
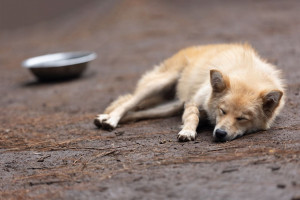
(59, 66)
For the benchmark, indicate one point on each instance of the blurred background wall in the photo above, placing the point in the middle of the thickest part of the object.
(19, 13)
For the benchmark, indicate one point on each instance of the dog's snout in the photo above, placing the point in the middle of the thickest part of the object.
(220, 134)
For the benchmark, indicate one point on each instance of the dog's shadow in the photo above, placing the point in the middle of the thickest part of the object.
(205, 128)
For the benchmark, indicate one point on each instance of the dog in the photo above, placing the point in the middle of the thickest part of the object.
(228, 84)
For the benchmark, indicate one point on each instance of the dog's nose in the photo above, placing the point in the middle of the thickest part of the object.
(220, 134)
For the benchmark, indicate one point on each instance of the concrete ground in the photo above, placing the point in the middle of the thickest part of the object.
(50, 149)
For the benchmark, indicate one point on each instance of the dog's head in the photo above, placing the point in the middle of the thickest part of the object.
(241, 107)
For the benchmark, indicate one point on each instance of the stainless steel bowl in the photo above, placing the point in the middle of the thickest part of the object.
(59, 66)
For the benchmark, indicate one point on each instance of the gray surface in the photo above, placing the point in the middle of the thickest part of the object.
(50, 148)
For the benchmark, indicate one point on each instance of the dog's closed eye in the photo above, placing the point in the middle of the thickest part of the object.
(223, 111)
(241, 119)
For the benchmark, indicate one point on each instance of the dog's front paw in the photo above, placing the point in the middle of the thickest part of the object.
(106, 122)
(100, 119)
(186, 135)
(110, 124)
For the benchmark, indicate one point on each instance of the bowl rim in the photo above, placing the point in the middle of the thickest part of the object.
(59, 59)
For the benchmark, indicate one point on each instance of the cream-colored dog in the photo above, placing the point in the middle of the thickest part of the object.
(229, 84)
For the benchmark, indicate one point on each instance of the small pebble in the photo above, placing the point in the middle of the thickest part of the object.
(119, 133)
(281, 186)
(162, 142)
(294, 183)
(42, 159)
(274, 168)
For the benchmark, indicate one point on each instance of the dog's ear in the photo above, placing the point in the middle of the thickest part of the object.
(271, 101)
(218, 81)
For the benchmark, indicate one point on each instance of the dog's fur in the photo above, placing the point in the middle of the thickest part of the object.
(229, 84)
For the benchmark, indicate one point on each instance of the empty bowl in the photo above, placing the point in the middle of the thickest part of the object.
(59, 66)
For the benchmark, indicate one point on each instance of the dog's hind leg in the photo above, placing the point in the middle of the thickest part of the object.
(122, 99)
(145, 104)
(151, 84)
(167, 109)
(103, 117)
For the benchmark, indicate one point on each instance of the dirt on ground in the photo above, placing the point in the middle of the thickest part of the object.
(50, 149)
